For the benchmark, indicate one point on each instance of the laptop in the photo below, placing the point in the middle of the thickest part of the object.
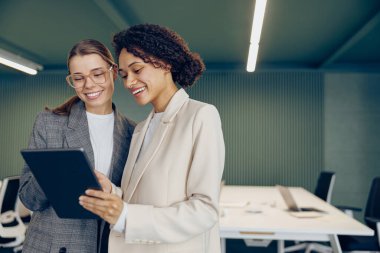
(291, 203)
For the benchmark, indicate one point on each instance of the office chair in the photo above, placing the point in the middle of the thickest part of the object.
(25, 213)
(325, 185)
(12, 229)
(372, 219)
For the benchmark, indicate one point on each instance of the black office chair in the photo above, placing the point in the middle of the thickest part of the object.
(325, 185)
(12, 229)
(372, 219)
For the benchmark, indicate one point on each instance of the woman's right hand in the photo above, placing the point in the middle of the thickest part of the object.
(106, 205)
(105, 183)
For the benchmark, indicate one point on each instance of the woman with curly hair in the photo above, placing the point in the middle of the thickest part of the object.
(168, 200)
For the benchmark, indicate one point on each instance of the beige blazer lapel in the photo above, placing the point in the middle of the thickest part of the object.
(144, 160)
(135, 147)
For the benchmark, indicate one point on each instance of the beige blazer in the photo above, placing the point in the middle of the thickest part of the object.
(172, 190)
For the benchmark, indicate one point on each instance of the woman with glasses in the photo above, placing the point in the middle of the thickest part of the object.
(168, 200)
(88, 120)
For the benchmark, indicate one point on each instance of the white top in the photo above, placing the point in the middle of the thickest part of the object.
(154, 122)
(101, 135)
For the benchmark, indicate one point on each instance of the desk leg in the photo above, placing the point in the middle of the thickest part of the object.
(280, 246)
(334, 241)
(223, 245)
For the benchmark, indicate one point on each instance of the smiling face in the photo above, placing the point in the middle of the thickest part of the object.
(146, 82)
(97, 97)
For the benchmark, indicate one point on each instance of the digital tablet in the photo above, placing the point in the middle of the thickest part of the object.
(64, 175)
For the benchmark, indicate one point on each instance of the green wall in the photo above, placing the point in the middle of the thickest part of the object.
(352, 134)
(22, 97)
(272, 122)
(279, 127)
(273, 125)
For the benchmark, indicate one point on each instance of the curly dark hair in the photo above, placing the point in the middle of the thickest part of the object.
(161, 47)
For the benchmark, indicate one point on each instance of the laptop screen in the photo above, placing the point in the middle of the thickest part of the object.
(288, 198)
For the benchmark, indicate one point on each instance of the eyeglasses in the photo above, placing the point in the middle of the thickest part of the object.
(98, 76)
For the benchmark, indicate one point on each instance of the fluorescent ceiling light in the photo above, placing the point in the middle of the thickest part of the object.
(19, 63)
(257, 24)
(252, 57)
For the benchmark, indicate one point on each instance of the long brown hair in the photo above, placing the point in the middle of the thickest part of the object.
(83, 47)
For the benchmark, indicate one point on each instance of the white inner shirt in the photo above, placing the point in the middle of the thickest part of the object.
(153, 124)
(101, 136)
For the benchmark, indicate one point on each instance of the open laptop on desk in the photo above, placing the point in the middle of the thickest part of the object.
(294, 208)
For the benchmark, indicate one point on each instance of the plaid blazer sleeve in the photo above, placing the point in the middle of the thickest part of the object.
(30, 192)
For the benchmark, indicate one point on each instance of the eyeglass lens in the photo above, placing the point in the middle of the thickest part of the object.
(78, 81)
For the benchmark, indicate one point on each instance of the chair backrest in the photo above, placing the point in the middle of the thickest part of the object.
(373, 203)
(9, 193)
(325, 185)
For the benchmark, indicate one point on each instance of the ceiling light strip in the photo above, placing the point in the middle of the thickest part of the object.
(257, 24)
(19, 63)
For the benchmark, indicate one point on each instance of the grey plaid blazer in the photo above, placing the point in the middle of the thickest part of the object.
(46, 231)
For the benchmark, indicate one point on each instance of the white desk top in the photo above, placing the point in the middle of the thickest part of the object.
(275, 221)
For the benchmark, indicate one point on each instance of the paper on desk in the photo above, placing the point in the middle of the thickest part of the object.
(306, 214)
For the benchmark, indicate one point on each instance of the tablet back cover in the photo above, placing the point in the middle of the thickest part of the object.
(64, 175)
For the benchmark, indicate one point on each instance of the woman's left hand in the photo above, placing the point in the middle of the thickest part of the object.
(104, 182)
(106, 205)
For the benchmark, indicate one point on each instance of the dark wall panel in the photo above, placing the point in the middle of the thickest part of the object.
(21, 97)
(352, 134)
(273, 125)
(272, 122)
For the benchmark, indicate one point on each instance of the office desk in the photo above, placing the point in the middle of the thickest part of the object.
(274, 222)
